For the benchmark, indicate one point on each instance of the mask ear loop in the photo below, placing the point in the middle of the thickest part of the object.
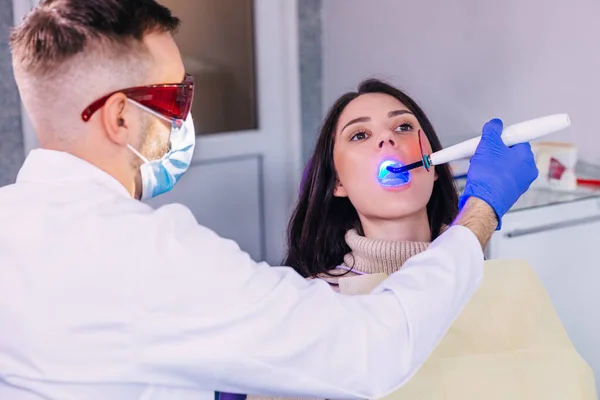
(424, 157)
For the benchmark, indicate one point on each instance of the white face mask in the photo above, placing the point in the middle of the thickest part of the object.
(160, 176)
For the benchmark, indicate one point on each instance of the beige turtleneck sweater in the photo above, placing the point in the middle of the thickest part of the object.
(508, 342)
(369, 262)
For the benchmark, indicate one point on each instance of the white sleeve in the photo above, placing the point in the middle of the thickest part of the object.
(212, 318)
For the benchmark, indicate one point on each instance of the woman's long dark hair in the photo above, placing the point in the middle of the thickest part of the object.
(316, 232)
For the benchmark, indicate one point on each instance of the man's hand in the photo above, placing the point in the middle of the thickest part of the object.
(498, 174)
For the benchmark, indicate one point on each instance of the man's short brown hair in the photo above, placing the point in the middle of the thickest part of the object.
(58, 30)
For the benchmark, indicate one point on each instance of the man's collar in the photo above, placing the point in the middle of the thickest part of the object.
(51, 166)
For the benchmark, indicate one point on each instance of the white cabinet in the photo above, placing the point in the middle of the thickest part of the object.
(561, 241)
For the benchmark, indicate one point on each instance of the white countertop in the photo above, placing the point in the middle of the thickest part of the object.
(538, 197)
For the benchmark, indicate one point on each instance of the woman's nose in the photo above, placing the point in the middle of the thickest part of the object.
(387, 140)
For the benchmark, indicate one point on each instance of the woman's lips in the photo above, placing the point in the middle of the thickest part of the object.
(391, 179)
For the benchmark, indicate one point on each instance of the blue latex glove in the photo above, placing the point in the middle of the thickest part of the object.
(498, 174)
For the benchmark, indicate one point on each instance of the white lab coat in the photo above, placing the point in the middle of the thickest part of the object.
(102, 297)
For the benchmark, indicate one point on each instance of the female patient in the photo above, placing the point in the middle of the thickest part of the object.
(355, 224)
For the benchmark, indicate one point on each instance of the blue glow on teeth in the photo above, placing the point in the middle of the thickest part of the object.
(391, 179)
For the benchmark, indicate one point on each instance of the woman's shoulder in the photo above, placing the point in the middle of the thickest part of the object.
(333, 276)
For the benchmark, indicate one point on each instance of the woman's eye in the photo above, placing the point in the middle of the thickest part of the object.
(403, 128)
(359, 136)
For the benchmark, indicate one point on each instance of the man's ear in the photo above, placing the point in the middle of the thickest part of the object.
(114, 119)
(339, 190)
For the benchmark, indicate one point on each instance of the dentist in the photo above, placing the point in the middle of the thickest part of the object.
(103, 297)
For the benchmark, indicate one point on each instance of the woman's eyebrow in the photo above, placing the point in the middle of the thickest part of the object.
(391, 114)
(356, 121)
(398, 112)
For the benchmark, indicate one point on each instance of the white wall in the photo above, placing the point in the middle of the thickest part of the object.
(467, 61)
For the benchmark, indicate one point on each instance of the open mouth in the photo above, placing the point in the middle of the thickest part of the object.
(392, 179)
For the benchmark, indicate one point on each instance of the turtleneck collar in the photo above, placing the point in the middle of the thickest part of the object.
(373, 256)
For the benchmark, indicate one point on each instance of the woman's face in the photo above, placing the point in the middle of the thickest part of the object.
(373, 128)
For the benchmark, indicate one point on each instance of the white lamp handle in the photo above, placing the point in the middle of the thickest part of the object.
(511, 135)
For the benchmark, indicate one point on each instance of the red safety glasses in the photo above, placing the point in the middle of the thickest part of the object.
(173, 100)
